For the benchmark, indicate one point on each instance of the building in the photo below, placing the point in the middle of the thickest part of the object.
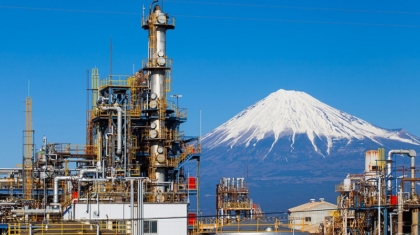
(309, 216)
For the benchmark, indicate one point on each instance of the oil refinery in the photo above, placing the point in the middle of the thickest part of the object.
(131, 167)
(130, 177)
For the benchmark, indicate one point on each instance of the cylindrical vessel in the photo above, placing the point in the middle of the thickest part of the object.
(371, 161)
(347, 184)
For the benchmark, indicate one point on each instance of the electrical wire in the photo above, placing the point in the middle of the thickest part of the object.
(296, 7)
(221, 17)
(302, 21)
(69, 10)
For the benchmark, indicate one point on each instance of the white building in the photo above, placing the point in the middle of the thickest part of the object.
(309, 216)
(158, 218)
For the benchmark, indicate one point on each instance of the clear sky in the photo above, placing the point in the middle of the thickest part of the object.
(361, 57)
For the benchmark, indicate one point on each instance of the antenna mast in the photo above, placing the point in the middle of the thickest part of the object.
(110, 61)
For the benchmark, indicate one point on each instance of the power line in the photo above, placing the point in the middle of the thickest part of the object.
(70, 10)
(296, 7)
(302, 21)
(220, 17)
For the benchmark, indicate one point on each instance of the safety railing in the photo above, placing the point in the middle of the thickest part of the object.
(114, 80)
(159, 62)
(169, 21)
(219, 226)
(237, 205)
(71, 228)
(299, 223)
(73, 149)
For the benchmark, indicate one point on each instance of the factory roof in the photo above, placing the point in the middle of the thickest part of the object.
(313, 205)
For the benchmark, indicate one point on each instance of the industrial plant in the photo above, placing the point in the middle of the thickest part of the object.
(381, 200)
(130, 177)
(131, 167)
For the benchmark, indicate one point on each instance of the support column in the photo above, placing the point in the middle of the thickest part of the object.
(400, 213)
(415, 221)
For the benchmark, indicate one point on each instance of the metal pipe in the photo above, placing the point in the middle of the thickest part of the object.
(413, 174)
(106, 140)
(56, 180)
(119, 123)
(125, 137)
(60, 178)
(99, 154)
(400, 213)
(379, 204)
(97, 200)
(390, 221)
(411, 153)
(415, 221)
(132, 203)
(139, 208)
(10, 180)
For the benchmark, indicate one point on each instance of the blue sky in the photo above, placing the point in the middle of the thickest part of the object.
(362, 58)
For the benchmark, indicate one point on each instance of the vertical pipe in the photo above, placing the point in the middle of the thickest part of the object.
(385, 221)
(110, 60)
(119, 137)
(125, 143)
(132, 203)
(400, 213)
(413, 175)
(415, 221)
(390, 222)
(379, 204)
(99, 154)
(198, 187)
(140, 207)
(119, 124)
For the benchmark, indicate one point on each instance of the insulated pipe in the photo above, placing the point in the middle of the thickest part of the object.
(99, 155)
(140, 207)
(411, 153)
(413, 174)
(56, 180)
(106, 140)
(132, 203)
(119, 124)
(415, 221)
(400, 213)
(60, 178)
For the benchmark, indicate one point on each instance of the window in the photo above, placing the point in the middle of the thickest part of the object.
(150, 226)
(307, 219)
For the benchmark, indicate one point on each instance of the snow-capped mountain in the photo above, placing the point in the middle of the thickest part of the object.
(290, 113)
(290, 139)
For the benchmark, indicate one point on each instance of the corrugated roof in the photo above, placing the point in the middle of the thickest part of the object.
(313, 206)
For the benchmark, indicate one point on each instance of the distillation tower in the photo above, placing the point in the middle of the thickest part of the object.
(132, 166)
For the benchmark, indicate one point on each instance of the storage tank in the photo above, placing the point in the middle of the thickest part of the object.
(347, 184)
(371, 161)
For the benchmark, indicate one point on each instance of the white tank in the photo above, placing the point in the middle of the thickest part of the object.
(371, 161)
(347, 184)
(41, 157)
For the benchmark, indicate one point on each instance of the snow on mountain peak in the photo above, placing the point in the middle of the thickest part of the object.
(288, 113)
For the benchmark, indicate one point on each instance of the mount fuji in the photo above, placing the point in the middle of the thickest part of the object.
(291, 147)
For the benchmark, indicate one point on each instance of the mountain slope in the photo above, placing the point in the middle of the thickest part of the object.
(292, 147)
(289, 113)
